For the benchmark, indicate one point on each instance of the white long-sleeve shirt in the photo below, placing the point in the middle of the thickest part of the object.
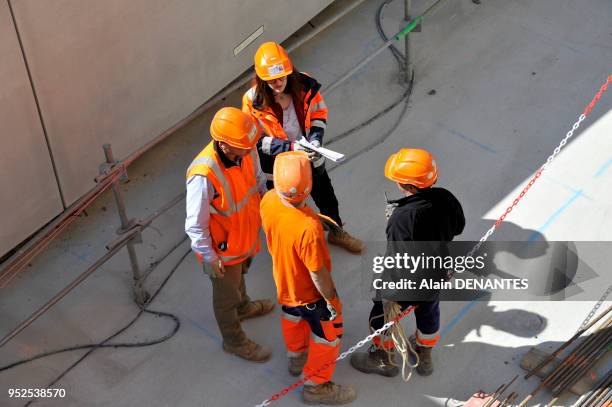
(200, 193)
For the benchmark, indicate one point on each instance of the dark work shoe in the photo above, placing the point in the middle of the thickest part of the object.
(250, 351)
(256, 308)
(343, 239)
(375, 360)
(425, 366)
(329, 393)
(296, 364)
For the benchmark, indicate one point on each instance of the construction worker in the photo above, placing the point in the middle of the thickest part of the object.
(427, 214)
(224, 183)
(311, 310)
(289, 106)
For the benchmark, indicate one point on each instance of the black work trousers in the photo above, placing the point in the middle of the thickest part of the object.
(427, 315)
(322, 194)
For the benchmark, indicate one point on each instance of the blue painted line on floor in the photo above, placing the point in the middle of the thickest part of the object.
(603, 168)
(535, 235)
(468, 139)
(471, 140)
(207, 332)
(460, 315)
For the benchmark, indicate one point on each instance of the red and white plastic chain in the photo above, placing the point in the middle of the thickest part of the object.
(486, 236)
(538, 173)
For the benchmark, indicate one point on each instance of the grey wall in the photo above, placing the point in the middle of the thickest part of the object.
(118, 72)
(30, 196)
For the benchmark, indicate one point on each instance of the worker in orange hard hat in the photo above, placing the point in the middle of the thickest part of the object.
(425, 213)
(224, 184)
(312, 312)
(288, 106)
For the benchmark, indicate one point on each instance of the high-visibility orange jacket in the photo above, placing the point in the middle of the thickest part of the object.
(234, 211)
(312, 117)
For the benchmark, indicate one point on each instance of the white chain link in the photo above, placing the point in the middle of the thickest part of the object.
(595, 308)
(483, 239)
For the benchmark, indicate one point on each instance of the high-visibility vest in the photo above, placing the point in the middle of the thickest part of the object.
(234, 211)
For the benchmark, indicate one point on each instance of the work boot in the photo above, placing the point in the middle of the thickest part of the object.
(375, 360)
(328, 393)
(342, 238)
(250, 351)
(425, 367)
(296, 364)
(256, 308)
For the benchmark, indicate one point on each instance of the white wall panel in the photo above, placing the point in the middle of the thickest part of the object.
(30, 195)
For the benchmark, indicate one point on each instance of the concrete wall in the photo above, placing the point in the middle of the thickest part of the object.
(30, 196)
(122, 72)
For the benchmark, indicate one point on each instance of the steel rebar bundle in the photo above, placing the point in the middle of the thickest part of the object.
(599, 393)
(498, 393)
(577, 363)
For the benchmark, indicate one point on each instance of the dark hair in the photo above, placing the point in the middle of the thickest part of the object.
(408, 187)
(263, 93)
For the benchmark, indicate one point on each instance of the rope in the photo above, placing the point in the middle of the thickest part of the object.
(402, 343)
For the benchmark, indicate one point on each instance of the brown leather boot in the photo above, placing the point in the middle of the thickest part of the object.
(256, 308)
(296, 364)
(250, 351)
(425, 367)
(329, 393)
(375, 360)
(343, 239)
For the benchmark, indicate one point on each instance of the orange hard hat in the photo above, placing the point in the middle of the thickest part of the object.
(293, 176)
(234, 127)
(272, 61)
(412, 166)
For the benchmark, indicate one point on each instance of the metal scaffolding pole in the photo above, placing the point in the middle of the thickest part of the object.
(140, 295)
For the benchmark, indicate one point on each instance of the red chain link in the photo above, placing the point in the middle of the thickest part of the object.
(586, 112)
(603, 89)
(303, 380)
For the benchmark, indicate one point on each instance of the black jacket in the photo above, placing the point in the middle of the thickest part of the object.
(433, 216)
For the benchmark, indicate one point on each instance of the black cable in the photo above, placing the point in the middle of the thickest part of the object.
(104, 343)
(394, 50)
(404, 98)
(380, 140)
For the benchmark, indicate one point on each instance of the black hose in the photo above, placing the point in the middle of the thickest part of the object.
(405, 97)
(401, 59)
(104, 343)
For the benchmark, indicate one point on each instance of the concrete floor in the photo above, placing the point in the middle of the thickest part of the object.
(511, 77)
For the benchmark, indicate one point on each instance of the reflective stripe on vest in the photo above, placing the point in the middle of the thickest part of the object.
(250, 253)
(216, 170)
(317, 106)
(318, 123)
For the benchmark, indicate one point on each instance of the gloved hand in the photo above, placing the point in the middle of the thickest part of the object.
(295, 146)
(214, 269)
(334, 306)
(389, 208)
(317, 159)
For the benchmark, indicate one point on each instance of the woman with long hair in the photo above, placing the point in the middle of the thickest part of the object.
(288, 106)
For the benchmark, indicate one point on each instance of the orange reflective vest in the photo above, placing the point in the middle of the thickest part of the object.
(314, 113)
(234, 211)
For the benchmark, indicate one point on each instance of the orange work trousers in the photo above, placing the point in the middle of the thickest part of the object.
(307, 328)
